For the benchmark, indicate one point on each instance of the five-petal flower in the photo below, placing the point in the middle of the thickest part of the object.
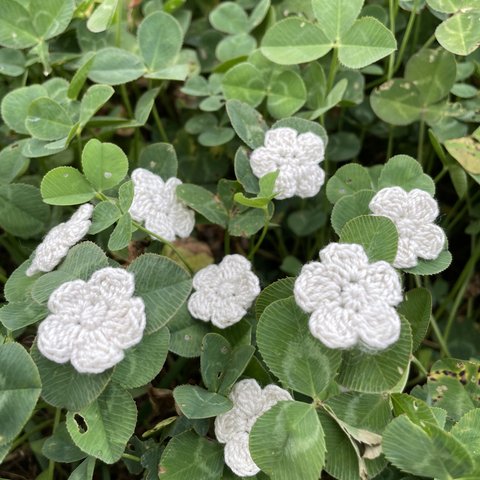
(296, 157)
(413, 213)
(233, 428)
(351, 301)
(92, 323)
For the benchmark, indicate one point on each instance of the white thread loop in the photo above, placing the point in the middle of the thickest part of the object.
(224, 292)
(155, 202)
(59, 240)
(351, 301)
(296, 157)
(413, 213)
(92, 323)
(233, 428)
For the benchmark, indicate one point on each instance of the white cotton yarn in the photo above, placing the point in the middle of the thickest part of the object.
(155, 203)
(92, 323)
(224, 292)
(413, 213)
(233, 428)
(351, 301)
(296, 157)
(59, 240)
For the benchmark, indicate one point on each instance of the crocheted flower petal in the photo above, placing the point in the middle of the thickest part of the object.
(247, 396)
(125, 323)
(233, 265)
(421, 206)
(309, 181)
(263, 161)
(227, 312)
(248, 288)
(379, 326)
(390, 202)
(114, 284)
(230, 424)
(56, 337)
(282, 140)
(311, 148)
(382, 282)
(161, 224)
(334, 326)
(314, 286)
(238, 458)
(200, 306)
(66, 297)
(429, 241)
(344, 256)
(94, 353)
(273, 394)
(406, 256)
(182, 220)
(207, 278)
(286, 183)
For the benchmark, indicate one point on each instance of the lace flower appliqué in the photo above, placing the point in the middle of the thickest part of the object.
(296, 157)
(92, 323)
(155, 203)
(351, 300)
(413, 213)
(233, 428)
(224, 292)
(59, 240)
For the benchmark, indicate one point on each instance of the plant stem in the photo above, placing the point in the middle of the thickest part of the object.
(390, 141)
(405, 39)
(126, 100)
(159, 124)
(37, 428)
(419, 365)
(438, 334)
(391, 58)
(332, 70)
(421, 141)
(440, 175)
(128, 456)
(262, 235)
(226, 243)
(51, 463)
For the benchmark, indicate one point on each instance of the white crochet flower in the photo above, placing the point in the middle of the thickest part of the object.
(351, 300)
(413, 213)
(296, 157)
(233, 428)
(224, 292)
(155, 203)
(59, 240)
(92, 323)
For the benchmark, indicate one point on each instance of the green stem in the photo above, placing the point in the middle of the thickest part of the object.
(406, 38)
(159, 124)
(126, 100)
(226, 243)
(51, 463)
(421, 141)
(391, 58)
(262, 236)
(390, 141)
(438, 334)
(333, 70)
(37, 428)
(419, 365)
(3, 278)
(134, 458)
(441, 175)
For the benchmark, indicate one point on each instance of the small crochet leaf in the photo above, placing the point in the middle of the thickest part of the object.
(103, 428)
(64, 387)
(377, 235)
(297, 450)
(417, 309)
(221, 364)
(427, 451)
(159, 158)
(20, 388)
(66, 186)
(405, 172)
(291, 352)
(196, 402)
(204, 459)
(350, 207)
(143, 362)
(363, 372)
(104, 164)
(348, 180)
(163, 285)
(248, 124)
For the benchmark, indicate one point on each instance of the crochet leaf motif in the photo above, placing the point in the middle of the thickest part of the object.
(351, 301)
(224, 292)
(296, 157)
(59, 240)
(92, 323)
(156, 204)
(413, 214)
(233, 427)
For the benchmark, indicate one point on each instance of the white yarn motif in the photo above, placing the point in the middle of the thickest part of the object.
(59, 240)
(413, 213)
(351, 300)
(233, 428)
(155, 203)
(224, 292)
(92, 323)
(296, 157)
